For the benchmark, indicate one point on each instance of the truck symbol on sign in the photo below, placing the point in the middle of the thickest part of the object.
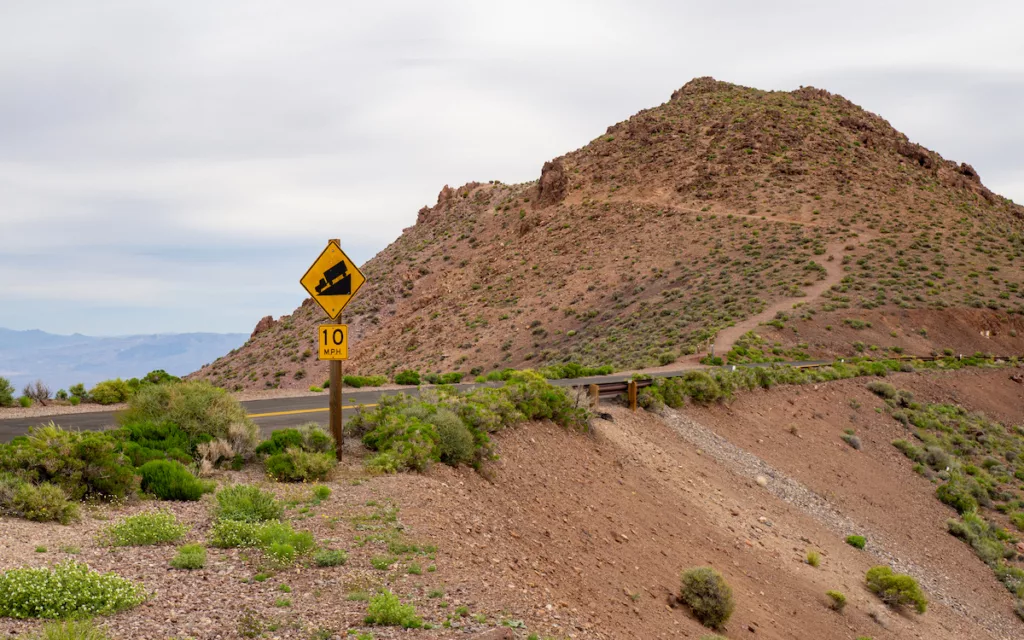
(337, 281)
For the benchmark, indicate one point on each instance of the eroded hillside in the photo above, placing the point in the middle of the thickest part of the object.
(724, 207)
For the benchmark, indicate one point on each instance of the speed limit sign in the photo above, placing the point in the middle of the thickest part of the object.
(333, 340)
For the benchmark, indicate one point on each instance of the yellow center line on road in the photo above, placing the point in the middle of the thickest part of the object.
(297, 411)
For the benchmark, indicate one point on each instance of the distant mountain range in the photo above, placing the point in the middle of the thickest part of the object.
(61, 361)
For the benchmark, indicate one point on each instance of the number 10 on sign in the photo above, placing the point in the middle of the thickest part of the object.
(333, 340)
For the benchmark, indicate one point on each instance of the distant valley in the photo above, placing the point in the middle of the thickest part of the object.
(60, 360)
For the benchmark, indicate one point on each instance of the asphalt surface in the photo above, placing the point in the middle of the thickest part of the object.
(281, 413)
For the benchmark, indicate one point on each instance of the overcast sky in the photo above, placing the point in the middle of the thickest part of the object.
(176, 166)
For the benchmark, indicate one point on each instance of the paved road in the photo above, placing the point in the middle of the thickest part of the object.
(281, 413)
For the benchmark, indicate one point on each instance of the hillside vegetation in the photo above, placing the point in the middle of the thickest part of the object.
(688, 224)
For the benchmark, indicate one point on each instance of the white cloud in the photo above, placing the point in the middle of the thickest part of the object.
(143, 139)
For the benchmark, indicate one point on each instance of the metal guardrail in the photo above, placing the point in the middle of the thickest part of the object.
(599, 390)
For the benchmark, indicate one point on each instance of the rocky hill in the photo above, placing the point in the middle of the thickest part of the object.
(727, 209)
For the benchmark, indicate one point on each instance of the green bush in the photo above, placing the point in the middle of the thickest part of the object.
(330, 557)
(69, 630)
(110, 392)
(856, 541)
(454, 440)
(357, 382)
(570, 370)
(43, 503)
(197, 407)
(706, 593)
(310, 437)
(321, 492)
(75, 401)
(153, 527)
(882, 389)
(280, 554)
(230, 534)
(78, 391)
(170, 480)
(408, 377)
(957, 494)
(297, 465)
(247, 503)
(838, 600)
(25, 402)
(84, 464)
(68, 590)
(189, 556)
(895, 589)
(386, 609)
(145, 441)
(1017, 520)
(6, 393)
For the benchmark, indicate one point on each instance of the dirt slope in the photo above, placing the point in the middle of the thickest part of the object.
(584, 535)
(724, 206)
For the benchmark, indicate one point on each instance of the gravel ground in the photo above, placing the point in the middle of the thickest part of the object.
(780, 485)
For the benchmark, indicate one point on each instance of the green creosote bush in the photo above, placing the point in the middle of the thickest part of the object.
(69, 630)
(247, 503)
(330, 558)
(408, 377)
(75, 401)
(154, 527)
(25, 402)
(1017, 520)
(983, 538)
(856, 541)
(957, 494)
(197, 407)
(309, 437)
(41, 503)
(280, 554)
(145, 441)
(110, 392)
(357, 382)
(385, 609)
(895, 589)
(707, 595)
(443, 378)
(321, 492)
(84, 464)
(6, 393)
(68, 590)
(572, 370)
(170, 480)
(297, 465)
(883, 390)
(838, 600)
(316, 389)
(189, 556)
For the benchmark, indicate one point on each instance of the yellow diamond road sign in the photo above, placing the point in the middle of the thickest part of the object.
(333, 280)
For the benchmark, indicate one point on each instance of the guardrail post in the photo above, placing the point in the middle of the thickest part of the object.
(595, 396)
(631, 388)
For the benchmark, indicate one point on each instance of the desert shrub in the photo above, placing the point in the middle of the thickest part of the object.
(1017, 520)
(570, 370)
(882, 389)
(852, 440)
(84, 464)
(838, 600)
(280, 554)
(856, 541)
(310, 437)
(298, 465)
(68, 590)
(43, 503)
(170, 480)
(386, 609)
(25, 402)
(983, 538)
(814, 558)
(957, 494)
(143, 529)
(197, 407)
(454, 441)
(498, 375)
(69, 630)
(537, 399)
(895, 589)
(6, 393)
(330, 557)
(707, 595)
(321, 492)
(78, 390)
(75, 401)
(189, 556)
(408, 377)
(110, 391)
(145, 441)
(37, 391)
(651, 398)
(278, 541)
(247, 503)
(357, 382)
(701, 387)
